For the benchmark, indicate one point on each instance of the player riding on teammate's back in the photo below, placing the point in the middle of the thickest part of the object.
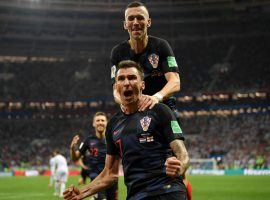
(153, 54)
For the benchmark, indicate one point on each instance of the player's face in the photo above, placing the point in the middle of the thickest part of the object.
(100, 123)
(136, 22)
(129, 85)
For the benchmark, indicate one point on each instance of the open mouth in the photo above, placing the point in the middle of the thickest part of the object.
(128, 93)
(136, 30)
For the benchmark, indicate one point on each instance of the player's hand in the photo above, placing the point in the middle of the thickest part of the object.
(147, 101)
(72, 193)
(85, 167)
(74, 141)
(173, 167)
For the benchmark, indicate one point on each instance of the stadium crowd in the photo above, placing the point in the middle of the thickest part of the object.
(239, 140)
(202, 68)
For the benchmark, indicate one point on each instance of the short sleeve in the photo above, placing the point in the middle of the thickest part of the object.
(168, 61)
(84, 146)
(169, 126)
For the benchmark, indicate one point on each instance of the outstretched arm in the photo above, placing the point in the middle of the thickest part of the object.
(105, 179)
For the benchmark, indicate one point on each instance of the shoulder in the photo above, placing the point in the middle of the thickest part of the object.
(56, 158)
(119, 47)
(161, 108)
(115, 118)
(90, 137)
(158, 41)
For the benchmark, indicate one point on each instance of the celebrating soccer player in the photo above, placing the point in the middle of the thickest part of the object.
(150, 144)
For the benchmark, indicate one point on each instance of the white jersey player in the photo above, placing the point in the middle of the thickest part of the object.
(61, 173)
(52, 170)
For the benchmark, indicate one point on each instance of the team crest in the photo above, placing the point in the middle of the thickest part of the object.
(153, 59)
(145, 123)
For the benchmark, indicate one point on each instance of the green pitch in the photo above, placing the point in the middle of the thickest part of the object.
(204, 188)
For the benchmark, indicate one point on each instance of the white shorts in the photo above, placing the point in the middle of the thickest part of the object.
(61, 176)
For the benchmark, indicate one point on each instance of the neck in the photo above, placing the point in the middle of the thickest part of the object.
(129, 109)
(100, 135)
(138, 45)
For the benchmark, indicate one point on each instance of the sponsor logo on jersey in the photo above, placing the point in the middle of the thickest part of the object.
(116, 132)
(171, 61)
(146, 138)
(145, 123)
(153, 59)
(113, 70)
(175, 127)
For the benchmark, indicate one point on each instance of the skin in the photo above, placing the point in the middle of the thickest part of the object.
(99, 123)
(136, 23)
(128, 81)
(106, 178)
(176, 166)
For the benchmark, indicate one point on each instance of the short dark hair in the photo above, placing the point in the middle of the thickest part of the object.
(99, 113)
(56, 151)
(128, 64)
(135, 4)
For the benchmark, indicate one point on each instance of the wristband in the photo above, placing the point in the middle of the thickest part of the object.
(158, 96)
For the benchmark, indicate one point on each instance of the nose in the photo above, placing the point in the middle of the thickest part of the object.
(126, 81)
(135, 21)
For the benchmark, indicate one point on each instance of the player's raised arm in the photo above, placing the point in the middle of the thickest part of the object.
(74, 154)
(105, 179)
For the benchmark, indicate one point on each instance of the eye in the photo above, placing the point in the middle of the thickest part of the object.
(131, 18)
(120, 78)
(140, 18)
(132, 77)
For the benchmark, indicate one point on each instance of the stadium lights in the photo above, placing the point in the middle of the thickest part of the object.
(14, 105)
(2, 105)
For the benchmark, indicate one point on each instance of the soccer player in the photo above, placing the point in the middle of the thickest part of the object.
(155, 56)
(61, 173)
(150, 144)
(96, 146)
(51, 162)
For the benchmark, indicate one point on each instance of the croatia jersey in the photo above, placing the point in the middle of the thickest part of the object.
(142, 139)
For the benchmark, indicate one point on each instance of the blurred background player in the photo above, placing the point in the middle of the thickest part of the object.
(96, 146)
(61, 173)
(52, 170)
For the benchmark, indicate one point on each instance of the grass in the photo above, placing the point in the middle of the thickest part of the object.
(204, 188)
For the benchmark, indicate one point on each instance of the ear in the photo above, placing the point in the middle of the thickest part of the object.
(93, 122)
(125, 25)
(143, 85)
(149, 22)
